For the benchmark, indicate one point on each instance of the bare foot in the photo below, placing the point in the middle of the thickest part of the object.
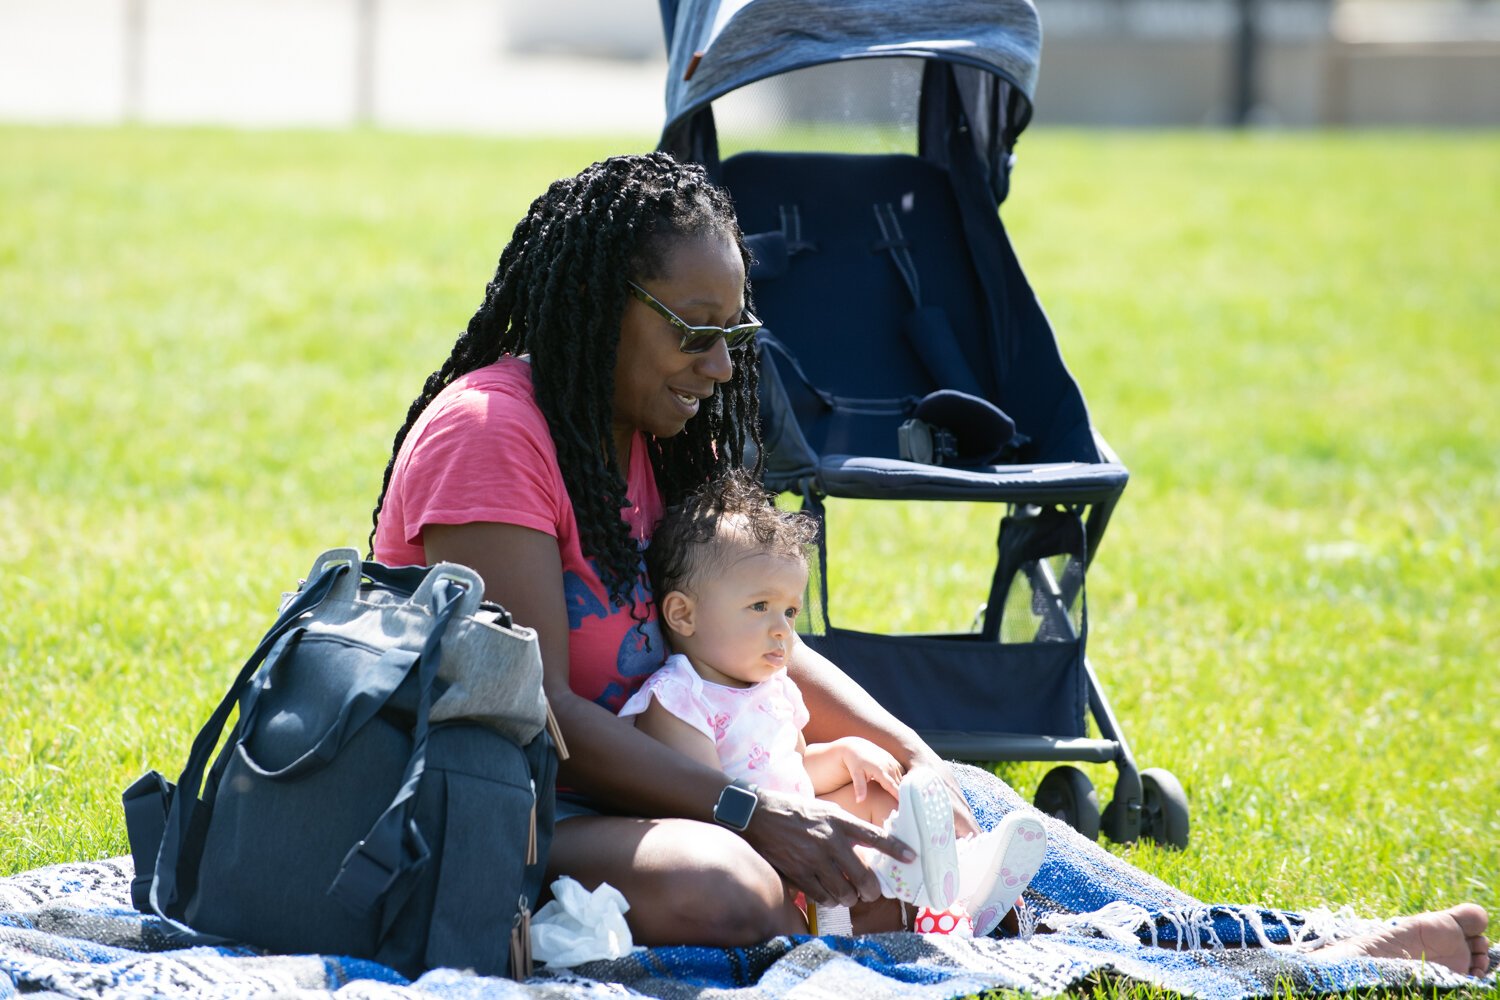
(1453, 938)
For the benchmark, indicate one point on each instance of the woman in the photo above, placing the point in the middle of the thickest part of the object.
(604, 375)
(546, 475)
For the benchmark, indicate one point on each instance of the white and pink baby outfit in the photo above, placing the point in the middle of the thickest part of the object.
(754, 729)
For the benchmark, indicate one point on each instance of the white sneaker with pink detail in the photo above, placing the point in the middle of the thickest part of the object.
(923, 820)
(995, 866)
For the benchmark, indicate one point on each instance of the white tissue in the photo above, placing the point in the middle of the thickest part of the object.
(578, 926)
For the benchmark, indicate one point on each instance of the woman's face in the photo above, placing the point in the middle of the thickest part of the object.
(658, 389)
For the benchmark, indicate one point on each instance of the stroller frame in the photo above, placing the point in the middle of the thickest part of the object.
(931, 286)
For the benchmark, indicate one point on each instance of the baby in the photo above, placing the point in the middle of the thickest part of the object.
(729, 570)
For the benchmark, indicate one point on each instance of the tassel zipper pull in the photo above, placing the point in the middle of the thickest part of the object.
(555, 731)
(520, 943)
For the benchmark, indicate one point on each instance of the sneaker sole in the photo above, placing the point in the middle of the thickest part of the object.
(1022, 849)
(926, 795)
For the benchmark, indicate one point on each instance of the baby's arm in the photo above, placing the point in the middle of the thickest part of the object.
(849, 760)
(661, 724)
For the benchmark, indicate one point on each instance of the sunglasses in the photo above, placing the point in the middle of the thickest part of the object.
(697, 339)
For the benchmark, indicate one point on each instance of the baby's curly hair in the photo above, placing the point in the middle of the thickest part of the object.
(689, 544)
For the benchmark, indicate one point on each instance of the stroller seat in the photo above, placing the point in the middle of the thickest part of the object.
(866, 272)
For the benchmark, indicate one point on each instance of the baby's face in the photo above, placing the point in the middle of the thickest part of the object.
(741, 626)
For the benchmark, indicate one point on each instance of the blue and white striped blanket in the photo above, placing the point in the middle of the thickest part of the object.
(69, 931)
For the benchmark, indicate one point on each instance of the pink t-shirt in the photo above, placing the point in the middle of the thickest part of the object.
(754, 728)
(482, 451)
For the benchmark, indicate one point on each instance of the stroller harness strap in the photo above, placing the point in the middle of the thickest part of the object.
(926, 328)
(894, 240)
(865, 405)
(771, 250)
(791, 225)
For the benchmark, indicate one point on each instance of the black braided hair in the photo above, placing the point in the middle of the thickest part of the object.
(559, 295)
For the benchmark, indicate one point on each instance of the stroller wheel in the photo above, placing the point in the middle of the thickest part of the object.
(1164, 808)
(1066, 793)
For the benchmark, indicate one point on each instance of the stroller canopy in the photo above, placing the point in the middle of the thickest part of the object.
(993, 48)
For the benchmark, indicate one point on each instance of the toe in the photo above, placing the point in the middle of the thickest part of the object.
(1471, 918)
(1479, 958)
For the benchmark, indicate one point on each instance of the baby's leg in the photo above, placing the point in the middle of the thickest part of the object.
(924, 821)
(877, 805)
(882, 914)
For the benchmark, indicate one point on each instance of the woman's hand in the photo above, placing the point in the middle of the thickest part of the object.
(964, 823)
(811, 843)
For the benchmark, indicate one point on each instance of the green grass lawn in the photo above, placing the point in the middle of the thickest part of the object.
(207, 340)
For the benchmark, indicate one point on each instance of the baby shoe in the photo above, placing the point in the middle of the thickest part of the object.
(996, 865)
(924, 820)
(950, 921)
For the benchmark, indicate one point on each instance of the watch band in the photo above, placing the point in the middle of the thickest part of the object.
(736, 805)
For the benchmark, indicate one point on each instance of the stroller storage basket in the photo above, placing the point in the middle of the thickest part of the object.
(1022, 674)
(961, 683)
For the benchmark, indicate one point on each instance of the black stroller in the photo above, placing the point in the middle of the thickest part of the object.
(906, 358)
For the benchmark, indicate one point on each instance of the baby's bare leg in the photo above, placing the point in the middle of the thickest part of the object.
(880, 914)
(877, 805)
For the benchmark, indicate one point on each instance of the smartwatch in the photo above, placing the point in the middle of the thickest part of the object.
(736, 805)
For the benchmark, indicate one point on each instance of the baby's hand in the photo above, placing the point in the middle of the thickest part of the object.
(867, 762)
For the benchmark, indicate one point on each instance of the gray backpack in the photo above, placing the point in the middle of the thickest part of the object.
(387, 790)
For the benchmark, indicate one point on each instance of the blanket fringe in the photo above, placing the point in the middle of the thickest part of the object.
(1193, 928)
(1026, 919)
(1322, 926)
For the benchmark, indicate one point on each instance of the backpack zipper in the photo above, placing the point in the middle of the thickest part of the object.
(531, 844)
(520, 942)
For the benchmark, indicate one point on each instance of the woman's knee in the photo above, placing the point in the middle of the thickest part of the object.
(704, 885)
(735, 899)
(686, 882)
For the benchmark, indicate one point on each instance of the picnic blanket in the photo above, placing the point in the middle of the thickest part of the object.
(69, 931)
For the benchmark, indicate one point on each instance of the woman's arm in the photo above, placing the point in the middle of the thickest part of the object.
(840, 707)
(809, 842)
(660, 724)
(522, 571)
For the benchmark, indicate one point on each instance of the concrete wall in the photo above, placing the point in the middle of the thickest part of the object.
(597, 65)
(1418, 83)
(1165, 82)
(408, 64)
(1353, 62)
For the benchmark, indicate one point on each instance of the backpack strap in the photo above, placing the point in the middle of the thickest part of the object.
(361, 704)
(179, 831)
(394, 847)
